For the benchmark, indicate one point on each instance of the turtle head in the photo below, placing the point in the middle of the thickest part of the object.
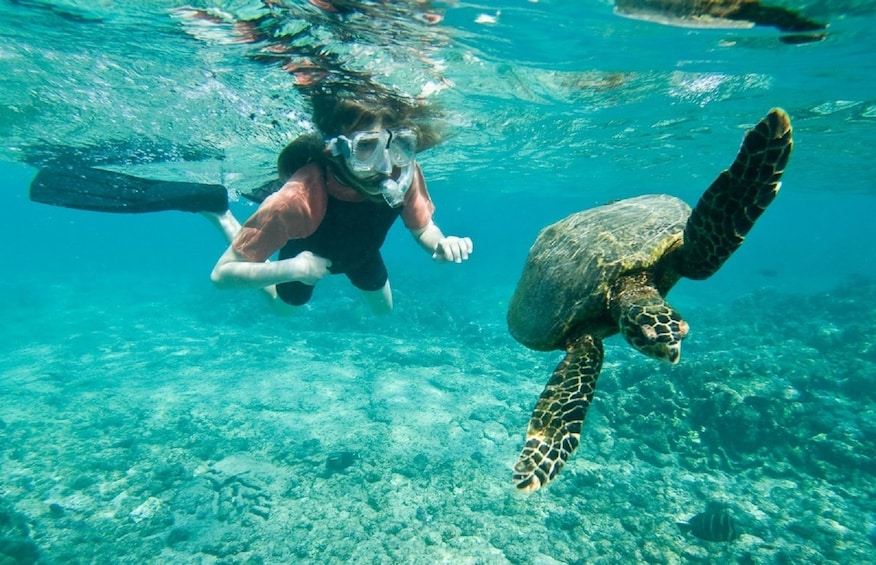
(655, 329)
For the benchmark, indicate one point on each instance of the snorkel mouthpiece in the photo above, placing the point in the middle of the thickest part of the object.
(393, 191)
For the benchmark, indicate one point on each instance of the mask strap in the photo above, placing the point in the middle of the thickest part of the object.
(333, 146)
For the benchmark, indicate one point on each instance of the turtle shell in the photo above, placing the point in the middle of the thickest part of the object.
(574, 262)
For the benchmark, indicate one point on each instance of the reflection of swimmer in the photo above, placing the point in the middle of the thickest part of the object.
(716, 14)
(419, 9)
(339, 200)
(314, 46)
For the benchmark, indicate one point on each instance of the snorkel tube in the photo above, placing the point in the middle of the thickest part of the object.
(393, 191)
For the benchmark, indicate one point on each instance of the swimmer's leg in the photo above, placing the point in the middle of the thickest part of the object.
(379, 301)
(225, 222)
(371, 278)
(228, 225)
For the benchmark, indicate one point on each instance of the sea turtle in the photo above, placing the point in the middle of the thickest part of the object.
(606, 270)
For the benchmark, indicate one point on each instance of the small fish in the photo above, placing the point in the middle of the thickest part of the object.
(715, 524)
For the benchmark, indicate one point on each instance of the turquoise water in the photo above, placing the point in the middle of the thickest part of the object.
(146, 416)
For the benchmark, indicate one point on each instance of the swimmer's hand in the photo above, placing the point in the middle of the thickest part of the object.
(452, 248)
(309, 268)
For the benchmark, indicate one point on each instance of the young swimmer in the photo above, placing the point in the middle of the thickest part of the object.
(332, 214)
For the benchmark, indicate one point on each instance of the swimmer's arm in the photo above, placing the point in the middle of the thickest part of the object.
(442, 248)
(428, 236)
(234, 271)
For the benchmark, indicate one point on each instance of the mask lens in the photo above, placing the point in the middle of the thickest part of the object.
(367, 148)
(403, 147)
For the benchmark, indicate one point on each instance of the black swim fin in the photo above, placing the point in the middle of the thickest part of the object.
(87, 188)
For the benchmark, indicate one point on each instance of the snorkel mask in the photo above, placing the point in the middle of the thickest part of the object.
(377, 153)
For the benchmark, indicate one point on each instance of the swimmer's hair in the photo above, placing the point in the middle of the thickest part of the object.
(305, 149)
(335, 115)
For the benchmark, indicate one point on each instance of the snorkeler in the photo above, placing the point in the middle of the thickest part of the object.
(337, 204)
(340, 192)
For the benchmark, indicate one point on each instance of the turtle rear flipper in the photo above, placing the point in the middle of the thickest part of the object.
(730, 206)
(555, 426)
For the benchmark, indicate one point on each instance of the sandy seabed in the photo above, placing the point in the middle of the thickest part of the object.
(141, 423)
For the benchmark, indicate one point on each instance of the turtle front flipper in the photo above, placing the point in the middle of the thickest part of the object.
(555, 426)
(730, 206)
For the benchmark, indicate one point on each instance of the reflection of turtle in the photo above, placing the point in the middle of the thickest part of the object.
(606, 270)
(717, 14)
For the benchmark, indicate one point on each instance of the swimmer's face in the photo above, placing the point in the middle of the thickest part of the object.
(375, 153)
